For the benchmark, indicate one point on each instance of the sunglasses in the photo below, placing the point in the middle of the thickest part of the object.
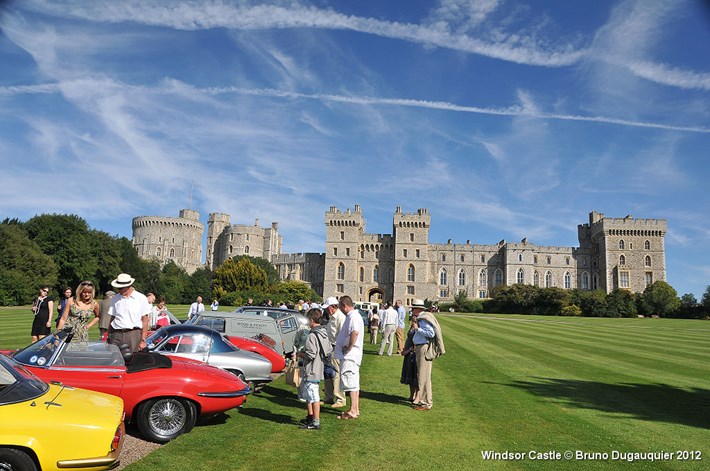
(86, 283)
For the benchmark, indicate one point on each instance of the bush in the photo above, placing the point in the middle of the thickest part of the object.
(572, 310)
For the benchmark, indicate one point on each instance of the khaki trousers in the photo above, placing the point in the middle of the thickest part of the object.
(373, 334)
(399, 333)
(387, 338)
(424, 372)
(332, 386)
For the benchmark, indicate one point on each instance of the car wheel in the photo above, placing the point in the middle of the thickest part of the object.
(165, 418)
(13, 459)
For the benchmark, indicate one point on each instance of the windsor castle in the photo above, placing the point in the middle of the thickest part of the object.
(613, 253)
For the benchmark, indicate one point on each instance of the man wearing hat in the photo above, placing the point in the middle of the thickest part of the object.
(129, 312)
(428, 344)
(333, 394)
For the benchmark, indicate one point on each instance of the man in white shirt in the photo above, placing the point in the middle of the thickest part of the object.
(388, 322)
(195, 308)
(348, 349)
(333, 394)
(129, 312)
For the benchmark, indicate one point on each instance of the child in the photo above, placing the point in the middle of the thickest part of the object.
(317, 347)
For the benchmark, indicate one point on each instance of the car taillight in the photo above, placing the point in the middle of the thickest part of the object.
(118, 436)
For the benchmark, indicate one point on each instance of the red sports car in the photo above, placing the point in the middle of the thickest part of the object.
(163, 396)
(278, 362)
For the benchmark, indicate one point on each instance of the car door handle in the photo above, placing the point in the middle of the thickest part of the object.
(115, 377)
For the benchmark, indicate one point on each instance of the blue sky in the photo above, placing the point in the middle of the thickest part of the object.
(506, 119)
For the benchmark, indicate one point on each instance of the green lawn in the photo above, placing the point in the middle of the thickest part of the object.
(506, 383)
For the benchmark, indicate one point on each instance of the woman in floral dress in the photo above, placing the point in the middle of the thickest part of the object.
(79, 310)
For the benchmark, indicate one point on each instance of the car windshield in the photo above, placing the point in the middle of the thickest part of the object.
(17, 384)
(42, 352)
(216, 323)
(189, 342)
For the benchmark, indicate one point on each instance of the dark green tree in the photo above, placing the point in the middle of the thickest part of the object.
(660, 299)
(174, 283)
(23, 267)
(705, 301)
(620, 303)
(200, 283)
(688, 300)
(292, 291)
(66, 239)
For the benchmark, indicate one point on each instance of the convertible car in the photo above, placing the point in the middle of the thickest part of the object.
(48, 426)
(209, 346)
(163, 396)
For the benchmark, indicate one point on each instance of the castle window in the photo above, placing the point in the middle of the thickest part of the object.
(621, 244)
(520, 276)
(410, 289)
(172, 252)
(549, 260)
(595, 281)
(341, 271)
(520, 257)
(567, 280)
(442, 277)
(410, 273)
(340, 288)
(411, 237)
(246, 249)
(362, 251)
(404, 253)
(443, 293)
(548, 280)
(482, 278)
(647, 262)
(566, 260)
(498, 277)
(231, 237)
(377, 252)
(342, 235)
(623, 279)
(231, 249)
(622, 260)
(647, 245)
(160, 240)
(462, 257)
(482, 294)
(362, 274)
(443, 257)
(585, 280)
(535, 259)
(347, 251)
(536, 278)
(173, 240)
(649, 278)
(335, 251)
(246, 237)
(417, 253)
(158, 252)
(483, 259)
(462, 278)
(376, 274)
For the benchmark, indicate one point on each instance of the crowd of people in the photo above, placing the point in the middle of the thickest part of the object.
(335, 338)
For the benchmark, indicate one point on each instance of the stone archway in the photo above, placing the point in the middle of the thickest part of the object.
(375, 295)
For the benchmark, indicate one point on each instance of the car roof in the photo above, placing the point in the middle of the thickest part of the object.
(177, 329)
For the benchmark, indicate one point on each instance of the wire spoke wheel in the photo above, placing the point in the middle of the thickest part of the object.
(163, 419)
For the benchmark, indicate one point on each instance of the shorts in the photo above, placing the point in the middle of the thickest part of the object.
(349, 376)
(312, 391)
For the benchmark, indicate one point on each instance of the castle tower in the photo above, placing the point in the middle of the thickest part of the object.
(412, 266)
(170, 239)
(627, 253)
(343, 233)
(216, 223)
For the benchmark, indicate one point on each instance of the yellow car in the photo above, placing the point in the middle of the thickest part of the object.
(51, 426)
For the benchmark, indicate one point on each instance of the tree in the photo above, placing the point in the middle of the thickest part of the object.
(688, 300)
(272, 276)
(620, 303)
(660, 299)
(200, 283)
(706, 298)
(238, 276)
(292, 291)
(23, 267)
(66, 239)
(174, 283)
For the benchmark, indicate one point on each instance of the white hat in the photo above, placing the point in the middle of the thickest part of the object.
(331, 301)
(124, 280)
(418, 303)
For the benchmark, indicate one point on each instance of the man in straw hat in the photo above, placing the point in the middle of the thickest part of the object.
(129, 312)
(428, 344)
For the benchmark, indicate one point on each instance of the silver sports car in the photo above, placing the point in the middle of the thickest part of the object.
(209, 346)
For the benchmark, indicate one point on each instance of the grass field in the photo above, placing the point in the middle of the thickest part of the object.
(506, 383)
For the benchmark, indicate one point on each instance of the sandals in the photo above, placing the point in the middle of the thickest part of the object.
(345, 416)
